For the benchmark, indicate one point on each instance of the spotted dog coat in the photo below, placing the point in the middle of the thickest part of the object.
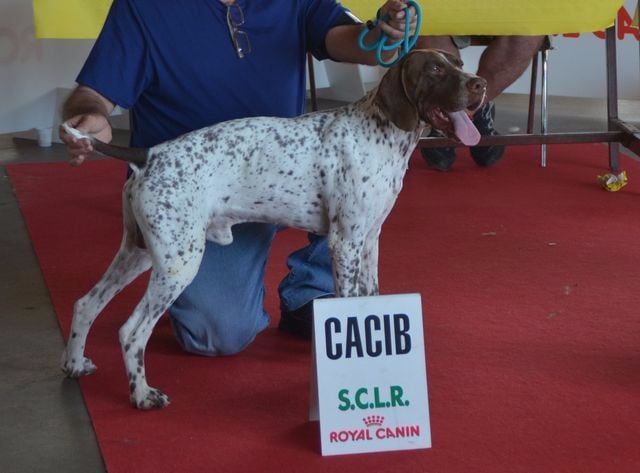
(334, 172)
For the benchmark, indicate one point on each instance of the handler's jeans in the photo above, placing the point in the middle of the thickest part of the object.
(221, 311)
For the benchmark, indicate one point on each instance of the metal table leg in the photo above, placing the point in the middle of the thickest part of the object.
(612, 96)
(544, 108)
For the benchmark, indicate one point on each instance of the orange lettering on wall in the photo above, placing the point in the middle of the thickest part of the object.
(624, 26)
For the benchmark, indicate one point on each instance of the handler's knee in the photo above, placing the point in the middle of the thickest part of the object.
(212, 334)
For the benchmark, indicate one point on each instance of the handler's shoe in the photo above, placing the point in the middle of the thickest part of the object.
(483, 120)
(440, 159)
(298, 322)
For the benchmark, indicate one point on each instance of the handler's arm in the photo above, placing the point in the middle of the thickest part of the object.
(342, 41)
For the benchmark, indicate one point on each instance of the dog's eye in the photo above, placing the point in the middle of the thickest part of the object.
(438, 70)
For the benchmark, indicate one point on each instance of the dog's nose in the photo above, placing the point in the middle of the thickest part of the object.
(477, 85)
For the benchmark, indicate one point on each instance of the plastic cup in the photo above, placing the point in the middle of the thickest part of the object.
(45, 136)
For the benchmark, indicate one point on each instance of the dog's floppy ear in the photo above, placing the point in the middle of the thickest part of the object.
(393, 100)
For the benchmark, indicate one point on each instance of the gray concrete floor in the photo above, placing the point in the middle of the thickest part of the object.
(44, 426)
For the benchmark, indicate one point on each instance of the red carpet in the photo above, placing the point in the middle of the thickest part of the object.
(530, 288)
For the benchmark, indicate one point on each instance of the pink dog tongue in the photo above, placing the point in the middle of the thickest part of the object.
(464, 128)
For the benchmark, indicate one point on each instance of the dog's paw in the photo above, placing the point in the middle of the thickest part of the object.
(76, 367)
(151, 399)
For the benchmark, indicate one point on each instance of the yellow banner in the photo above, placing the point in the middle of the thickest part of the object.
(72, 19)
(636, 17)
(505, 17)
(84, 18)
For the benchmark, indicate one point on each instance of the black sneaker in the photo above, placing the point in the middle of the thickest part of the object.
(299, 322)
(440, 159)
(483, 120)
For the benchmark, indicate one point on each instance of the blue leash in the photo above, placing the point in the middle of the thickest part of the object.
(380, 45)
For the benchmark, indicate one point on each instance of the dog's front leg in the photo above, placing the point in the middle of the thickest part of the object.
(369, 271)
(347, 258)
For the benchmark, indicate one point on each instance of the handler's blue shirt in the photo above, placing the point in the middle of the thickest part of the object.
(172, 62)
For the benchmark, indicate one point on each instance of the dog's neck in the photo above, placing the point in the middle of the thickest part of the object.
(370, 103)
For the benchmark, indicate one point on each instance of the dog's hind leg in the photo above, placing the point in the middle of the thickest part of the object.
(129, 263)
(174, 268)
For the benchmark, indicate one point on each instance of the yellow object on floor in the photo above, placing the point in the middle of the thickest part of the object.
(613, 182)
(83, 19)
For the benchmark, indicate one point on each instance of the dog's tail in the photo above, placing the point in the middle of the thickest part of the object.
(136, 156)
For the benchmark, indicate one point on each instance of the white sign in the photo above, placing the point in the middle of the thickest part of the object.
(371, 384)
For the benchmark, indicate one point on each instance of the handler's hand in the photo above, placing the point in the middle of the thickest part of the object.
(394, 27)
(92, 124)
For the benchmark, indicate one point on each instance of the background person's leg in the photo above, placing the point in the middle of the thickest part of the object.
(221, 311)
(504, 60)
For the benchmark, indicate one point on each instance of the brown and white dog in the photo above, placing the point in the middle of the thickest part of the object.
(335, 172)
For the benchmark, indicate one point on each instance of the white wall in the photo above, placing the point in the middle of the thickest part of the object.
(32, 71)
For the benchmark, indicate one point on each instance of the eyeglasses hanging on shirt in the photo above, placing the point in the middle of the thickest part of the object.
(239, 38)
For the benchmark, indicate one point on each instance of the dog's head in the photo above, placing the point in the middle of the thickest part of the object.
(430, 86)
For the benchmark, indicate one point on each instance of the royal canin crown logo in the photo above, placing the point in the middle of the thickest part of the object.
(373, 421)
